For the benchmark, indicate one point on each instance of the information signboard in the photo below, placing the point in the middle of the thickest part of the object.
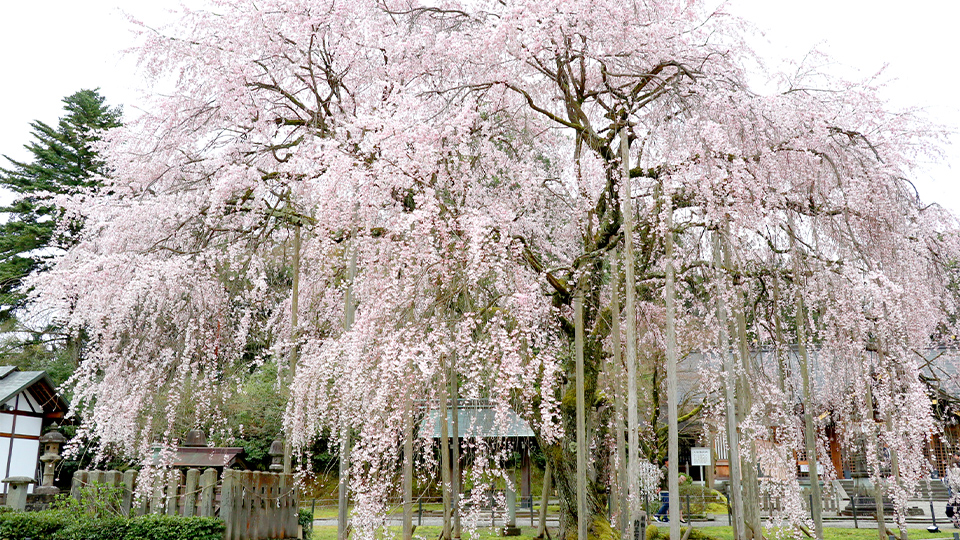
(700, 456)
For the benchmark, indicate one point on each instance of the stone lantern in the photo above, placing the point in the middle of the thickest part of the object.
(276, 452)
(51, 442)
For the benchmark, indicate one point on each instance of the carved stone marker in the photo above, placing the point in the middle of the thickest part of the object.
(17, 491)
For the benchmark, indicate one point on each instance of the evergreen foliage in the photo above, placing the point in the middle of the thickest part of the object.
(63, 161)
(62, 525)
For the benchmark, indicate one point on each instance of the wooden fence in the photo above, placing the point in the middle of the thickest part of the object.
(253, 505)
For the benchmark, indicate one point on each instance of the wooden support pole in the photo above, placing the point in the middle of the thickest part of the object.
(809, 431)
(730, 374)
(748, 469)
(877, 487)
(227, 504)
(455, 454)
(619, 418)
(126, 498)
(583, 520)
(208, 492)
(343, 485)
(444, 452)
(190, 493)
(630, 327)
(673, 448)
(544, 500)
(294, 336)
(408, 470)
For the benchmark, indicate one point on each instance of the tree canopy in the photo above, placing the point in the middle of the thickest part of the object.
(468, 155)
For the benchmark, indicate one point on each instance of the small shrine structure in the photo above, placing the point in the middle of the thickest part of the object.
(28, 403)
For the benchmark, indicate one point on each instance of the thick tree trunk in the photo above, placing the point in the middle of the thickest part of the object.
(563, 454)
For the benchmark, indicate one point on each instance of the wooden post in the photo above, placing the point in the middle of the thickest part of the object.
(620, 495)
(525, 497)
(544, 501)
(408, 470)
(126, 497)
(349, 311)
(294, 336)
(748, 470)
(877, 488)
(227, 506)
(630, 327)
(190, 493)
(444, 451)
(172, 506)
(112, 480)
(455, 457)
(730, 374)
(583, 520)
(673, 449)
(208, 488)
(79, 479)
(809, 432)
(156, 502)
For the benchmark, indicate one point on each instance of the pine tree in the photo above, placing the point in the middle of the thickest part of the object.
(63, 162)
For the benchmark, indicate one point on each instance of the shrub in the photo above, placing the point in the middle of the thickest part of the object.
(94, 529)
(62, 525)
(305, 519)
(32, 524)
(157, 527)
(96, 500)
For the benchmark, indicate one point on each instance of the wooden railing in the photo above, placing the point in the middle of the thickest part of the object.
(253, 505)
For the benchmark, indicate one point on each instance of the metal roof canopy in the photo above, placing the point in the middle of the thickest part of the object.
(477, 421)
(208, 457)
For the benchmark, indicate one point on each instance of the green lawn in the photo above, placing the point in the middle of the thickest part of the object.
(833, 533)
(330, 512)
(720, 533)
(425, 532)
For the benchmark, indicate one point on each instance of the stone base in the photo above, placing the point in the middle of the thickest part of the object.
(510, 531)
(46, 490)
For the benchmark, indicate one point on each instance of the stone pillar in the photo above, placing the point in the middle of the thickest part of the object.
(17, 491)
(510, 528)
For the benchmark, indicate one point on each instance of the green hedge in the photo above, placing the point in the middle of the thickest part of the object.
(305, 519)
(154, 527)
(60, 525)
(19, 525)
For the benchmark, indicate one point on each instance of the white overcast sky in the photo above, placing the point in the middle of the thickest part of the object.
(51, 49)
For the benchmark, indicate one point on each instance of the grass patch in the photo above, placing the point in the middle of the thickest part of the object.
(834, 533)
(425, 533)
